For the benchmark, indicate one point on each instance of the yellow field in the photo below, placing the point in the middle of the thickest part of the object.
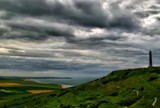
(39, 91)
(8, 84)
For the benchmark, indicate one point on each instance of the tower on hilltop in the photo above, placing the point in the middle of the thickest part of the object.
(150, 59)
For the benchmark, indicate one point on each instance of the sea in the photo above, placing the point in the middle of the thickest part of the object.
(69, 82)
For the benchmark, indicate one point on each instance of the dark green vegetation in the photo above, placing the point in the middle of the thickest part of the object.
(14, 89)
(132, 88)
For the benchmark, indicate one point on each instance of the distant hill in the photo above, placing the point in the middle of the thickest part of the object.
(132, 88)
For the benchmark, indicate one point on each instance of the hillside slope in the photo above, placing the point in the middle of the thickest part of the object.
(132, 88)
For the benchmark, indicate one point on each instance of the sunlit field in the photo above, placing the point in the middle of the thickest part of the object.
(9, 84)
(39, 91)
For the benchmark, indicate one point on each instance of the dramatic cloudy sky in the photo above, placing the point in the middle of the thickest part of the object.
(86, 38)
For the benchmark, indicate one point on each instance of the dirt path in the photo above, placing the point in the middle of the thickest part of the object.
(137, 93)
(154, 102)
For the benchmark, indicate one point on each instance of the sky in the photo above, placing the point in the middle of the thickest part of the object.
(85, 38)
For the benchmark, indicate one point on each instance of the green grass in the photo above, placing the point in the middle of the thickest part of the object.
(12, 93)
(132, 88)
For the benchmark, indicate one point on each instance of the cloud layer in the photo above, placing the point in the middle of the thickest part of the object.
(78, 36)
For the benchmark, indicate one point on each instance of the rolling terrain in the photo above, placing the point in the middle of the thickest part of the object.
(131, 88)
(11, 89)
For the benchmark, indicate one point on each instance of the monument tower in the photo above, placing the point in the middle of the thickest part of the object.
(150, 59)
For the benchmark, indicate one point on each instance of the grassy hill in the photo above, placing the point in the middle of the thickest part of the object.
(11, 89)
(132, 88)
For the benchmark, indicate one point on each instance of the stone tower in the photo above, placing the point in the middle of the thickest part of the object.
(150, 59)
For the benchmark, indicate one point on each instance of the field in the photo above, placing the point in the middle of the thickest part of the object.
(14, 89)
(131, 88)
(9, 84)
(39, 91)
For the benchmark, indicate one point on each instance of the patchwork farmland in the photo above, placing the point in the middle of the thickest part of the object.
(13, 89)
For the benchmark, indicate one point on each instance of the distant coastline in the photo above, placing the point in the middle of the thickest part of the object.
(64, 81)
(23, 78)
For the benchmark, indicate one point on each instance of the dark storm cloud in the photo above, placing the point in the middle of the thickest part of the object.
(30, 7)
(122, 18)
(41, 65)
(103, 40)
(77, 35)
(155, 7)
(144, 14)
(83, 13)
(36, 32)
(96, 42)
(2, 31)
(87, 13)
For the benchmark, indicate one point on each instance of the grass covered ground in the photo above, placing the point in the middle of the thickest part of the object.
(14, 89)
(132, 88)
